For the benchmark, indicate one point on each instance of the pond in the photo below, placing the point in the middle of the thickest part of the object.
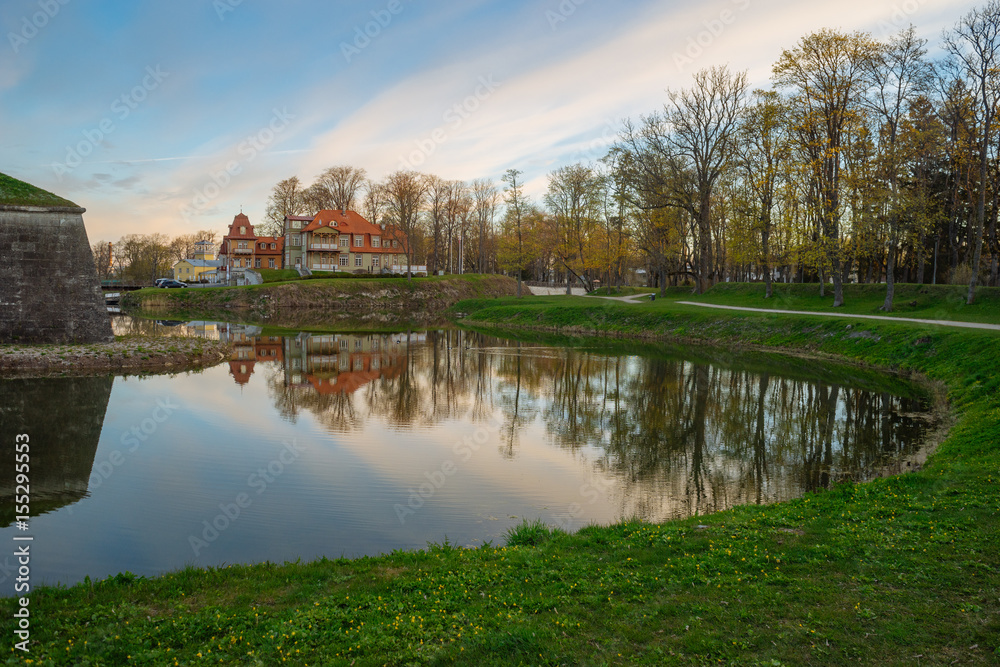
(350, 444)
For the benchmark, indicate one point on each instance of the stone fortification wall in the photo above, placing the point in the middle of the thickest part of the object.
(49, 291)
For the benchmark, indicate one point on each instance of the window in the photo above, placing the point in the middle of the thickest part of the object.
(345, 242)
(270, 263)
(359, 241)
(358, 259)
(343, 260)
(257, 263)
(274, 246)
(375, 261)
(263, 246)
(243, 230)
(395, 244)
(376, 241)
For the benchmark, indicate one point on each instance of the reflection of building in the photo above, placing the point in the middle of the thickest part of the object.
(343, 363)
(249, 347)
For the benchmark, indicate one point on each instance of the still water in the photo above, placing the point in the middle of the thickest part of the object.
(353, 444)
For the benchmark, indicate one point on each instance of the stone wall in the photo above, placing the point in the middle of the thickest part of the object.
(49, 290)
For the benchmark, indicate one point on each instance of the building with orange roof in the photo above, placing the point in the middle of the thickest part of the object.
(342, 240)
(242, 249)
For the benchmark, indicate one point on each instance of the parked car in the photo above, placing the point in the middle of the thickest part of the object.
(158, 281)
(170, 283)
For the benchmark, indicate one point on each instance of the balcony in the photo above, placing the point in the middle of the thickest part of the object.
(242, 251)
(325, 246)
(319, 266)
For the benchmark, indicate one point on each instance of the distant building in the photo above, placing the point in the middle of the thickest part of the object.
(342, 241)
(203, 266)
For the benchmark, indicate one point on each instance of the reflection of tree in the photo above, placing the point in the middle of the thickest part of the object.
(680, 437)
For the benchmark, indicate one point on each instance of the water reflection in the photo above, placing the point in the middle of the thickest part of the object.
(681, 437)
(567, 435)
(63, 418)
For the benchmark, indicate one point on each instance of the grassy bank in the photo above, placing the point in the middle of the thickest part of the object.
(375, 300)
(899, 571)
(930, 302)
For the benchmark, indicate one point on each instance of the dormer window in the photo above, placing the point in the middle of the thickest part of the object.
(376, 241)
(243, 230)
(333, 223)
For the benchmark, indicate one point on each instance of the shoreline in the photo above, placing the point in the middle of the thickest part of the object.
(126, 355)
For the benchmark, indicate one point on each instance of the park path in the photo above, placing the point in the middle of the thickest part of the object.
(946, 323)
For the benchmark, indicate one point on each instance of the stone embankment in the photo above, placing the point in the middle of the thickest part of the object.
(368, 300)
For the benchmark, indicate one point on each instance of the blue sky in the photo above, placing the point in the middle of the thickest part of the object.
(170, 116)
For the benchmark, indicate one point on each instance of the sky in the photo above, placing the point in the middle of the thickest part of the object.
(173, 116)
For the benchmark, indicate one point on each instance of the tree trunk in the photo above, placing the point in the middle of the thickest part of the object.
(980, 216)
(890, 278)
(765, 235)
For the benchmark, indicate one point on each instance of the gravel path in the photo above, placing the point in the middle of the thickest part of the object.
(944, 323)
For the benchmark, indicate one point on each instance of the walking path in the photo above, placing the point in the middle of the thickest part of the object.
(946, 323)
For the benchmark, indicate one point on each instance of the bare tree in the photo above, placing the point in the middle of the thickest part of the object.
(897, 74)
(287, 198)
(486, 198)
(973, 43)
(375, 202)
(341, 184)
(437, 197)
(405, 193)
(458, 206)
(680, 153)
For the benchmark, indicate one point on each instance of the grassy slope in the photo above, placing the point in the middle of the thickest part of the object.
(18, 193)
(930, 302)
(334, 294)
(900, 571)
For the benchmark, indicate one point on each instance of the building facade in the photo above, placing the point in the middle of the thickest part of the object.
(242, 249)
(342, 241)
(203, 266)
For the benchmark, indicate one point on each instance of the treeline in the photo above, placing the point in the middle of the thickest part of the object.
(865, 161)
(142, 258)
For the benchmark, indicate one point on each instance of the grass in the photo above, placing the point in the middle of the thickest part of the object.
(899, 571)
(933, 302)
(278, 275)
(18, 193)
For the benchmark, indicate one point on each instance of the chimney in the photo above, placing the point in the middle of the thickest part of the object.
(343, 209)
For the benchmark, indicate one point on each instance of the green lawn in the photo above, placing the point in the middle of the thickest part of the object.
(899, 571)
(278, 275)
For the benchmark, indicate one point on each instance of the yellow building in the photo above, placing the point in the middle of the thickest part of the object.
(191, 270)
